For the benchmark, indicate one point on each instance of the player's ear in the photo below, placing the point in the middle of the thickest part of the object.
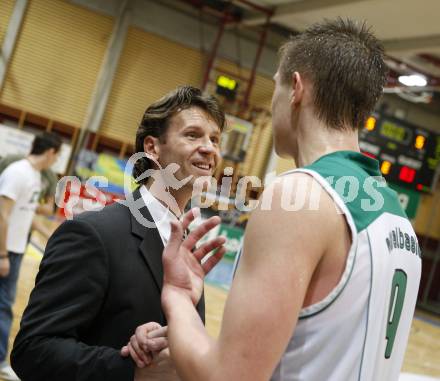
(297, 88)
(151, 146)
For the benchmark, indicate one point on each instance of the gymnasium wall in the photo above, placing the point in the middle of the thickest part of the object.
(284, 165)
(427, 221)
(149, 67)
(419, 115)
(56, 60)
(5, 14)
(261, 140)
(195, 30)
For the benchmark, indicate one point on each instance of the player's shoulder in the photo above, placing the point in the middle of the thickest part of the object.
(296, 191)
(289, 180)
(293, 211)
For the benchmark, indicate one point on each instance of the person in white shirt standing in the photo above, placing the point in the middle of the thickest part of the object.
(20, 187)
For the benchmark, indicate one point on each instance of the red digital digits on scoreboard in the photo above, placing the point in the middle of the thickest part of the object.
(407, 174)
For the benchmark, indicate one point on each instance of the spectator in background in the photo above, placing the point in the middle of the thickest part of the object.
(20, 188)
(46, 206)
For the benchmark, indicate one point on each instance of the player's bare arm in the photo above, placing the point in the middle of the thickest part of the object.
(281, 254)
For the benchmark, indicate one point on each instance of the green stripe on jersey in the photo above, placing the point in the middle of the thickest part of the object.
(359, 183)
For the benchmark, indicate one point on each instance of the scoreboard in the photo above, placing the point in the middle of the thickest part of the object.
(408, 155)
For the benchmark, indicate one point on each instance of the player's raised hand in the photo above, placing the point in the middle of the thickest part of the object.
(184, 268)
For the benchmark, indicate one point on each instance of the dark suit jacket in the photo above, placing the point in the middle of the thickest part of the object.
(100, 278)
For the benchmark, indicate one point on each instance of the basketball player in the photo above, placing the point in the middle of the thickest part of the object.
(325, 291)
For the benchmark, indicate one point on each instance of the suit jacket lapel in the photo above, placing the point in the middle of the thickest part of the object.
(151, 247)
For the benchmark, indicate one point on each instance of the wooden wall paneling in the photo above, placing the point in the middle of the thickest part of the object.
(56, 61)
(6, 8)
(149, 67)
(22, 119)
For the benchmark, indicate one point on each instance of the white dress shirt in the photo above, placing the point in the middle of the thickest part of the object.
(162, 216)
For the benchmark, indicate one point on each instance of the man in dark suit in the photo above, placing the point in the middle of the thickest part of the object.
(101, 274)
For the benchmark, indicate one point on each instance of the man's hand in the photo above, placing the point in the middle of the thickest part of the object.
(184, 271)
(148, 340)
(4, 266)
(48, 208)
(162, 369)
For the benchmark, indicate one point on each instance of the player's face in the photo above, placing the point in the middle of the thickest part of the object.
(193, 142)
(282, 116)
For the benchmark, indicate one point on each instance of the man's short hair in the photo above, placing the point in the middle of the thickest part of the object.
(44, 142)
(157, 116)
(345, 63)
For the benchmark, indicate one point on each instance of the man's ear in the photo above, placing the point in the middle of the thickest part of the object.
(151, 147)
(297, 89)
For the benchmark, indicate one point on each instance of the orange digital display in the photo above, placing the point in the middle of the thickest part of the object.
(370, 124)
(420, 141)
(385, 167)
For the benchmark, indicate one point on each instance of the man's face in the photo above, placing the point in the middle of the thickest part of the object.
(193, 142)
(281, 115)
(51, 157)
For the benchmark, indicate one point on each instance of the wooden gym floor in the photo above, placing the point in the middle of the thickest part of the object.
(422, 356)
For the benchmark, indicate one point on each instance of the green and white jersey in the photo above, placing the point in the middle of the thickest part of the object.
(360, 330)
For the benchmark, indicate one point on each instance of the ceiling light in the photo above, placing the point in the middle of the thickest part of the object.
(413, 80)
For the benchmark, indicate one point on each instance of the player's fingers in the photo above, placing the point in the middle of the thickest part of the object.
(213, 260)
(139, 363)
(200, 231)
(207, 247)
(138, 349)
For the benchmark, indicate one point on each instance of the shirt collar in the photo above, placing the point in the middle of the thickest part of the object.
(162, 216)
